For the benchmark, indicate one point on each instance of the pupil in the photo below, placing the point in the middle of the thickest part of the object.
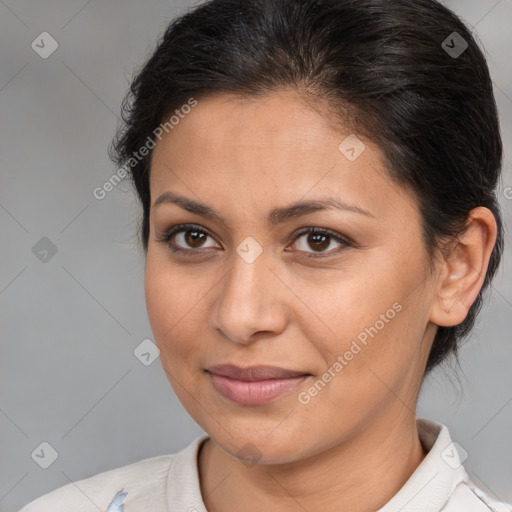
(193, 238)
(317, 238)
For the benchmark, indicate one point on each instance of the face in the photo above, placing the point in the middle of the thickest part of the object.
(346, 306)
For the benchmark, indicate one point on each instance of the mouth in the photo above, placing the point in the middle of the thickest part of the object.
(254, 385)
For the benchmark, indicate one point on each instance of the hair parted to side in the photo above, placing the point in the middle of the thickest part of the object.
(376, 66)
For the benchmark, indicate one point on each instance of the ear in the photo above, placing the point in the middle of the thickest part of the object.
(463, 269)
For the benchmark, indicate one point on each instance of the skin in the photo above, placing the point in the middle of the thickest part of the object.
(354, 444)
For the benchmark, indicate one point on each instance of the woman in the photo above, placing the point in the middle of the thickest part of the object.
(319, 221)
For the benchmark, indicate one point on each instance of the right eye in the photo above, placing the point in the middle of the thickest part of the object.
(178, 237)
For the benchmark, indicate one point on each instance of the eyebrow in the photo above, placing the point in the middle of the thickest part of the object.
(274, 217)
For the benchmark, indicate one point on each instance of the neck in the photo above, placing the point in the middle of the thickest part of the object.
(360, 474)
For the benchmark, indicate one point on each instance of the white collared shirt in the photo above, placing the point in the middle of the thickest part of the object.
(170, 483)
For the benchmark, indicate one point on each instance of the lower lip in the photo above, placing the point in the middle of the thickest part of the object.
(254, 393)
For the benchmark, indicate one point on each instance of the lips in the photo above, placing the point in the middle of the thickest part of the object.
(255, 385)
(254, 373)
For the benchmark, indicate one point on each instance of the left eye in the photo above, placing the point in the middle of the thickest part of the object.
(320, 239)
(194, 236)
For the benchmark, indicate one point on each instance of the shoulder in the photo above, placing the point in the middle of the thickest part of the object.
(468, 497)
(141, 481)
(441, 483)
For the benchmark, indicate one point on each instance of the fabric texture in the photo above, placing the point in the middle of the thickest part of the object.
(170, 483)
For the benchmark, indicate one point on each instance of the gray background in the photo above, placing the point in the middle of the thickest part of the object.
(69, 326)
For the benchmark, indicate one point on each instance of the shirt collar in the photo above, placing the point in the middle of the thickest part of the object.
(428, 489)
(434, 480)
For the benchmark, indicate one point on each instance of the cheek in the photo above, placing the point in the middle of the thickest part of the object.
(375, 316)
(171, 294)
(157, 297)
(171, 310)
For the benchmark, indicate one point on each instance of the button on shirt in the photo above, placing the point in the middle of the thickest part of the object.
(170, 483)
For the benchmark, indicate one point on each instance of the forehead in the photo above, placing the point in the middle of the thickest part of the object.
(276, 123)
(255, 151)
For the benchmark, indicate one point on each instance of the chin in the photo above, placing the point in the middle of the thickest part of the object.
(256, 446)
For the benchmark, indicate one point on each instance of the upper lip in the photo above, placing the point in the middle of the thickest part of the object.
(254, 373)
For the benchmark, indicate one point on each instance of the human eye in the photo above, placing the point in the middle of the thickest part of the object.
(188, 239)
(180, 236)
(320, 239)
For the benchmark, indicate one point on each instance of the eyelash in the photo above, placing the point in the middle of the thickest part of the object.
(166, 238)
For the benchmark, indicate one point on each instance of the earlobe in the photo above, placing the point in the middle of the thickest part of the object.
(464, 269)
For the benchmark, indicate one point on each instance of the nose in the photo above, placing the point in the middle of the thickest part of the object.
(250, 301)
